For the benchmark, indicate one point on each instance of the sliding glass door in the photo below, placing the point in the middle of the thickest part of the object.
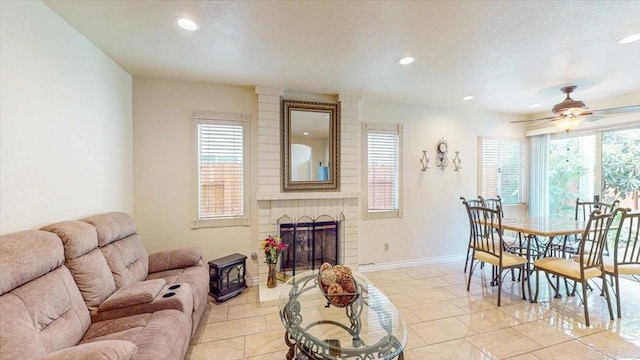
(621, 166)
(572, 172)
(600, 165)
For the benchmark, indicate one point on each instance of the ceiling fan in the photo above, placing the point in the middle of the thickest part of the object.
(569, 113)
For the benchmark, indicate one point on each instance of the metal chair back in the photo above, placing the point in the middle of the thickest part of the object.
(594, 239)
(585, 208)
(493, 203)
(486, 229)
(627, 241)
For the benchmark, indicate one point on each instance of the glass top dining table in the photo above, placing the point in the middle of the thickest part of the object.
(540, 235)
(543, 226)
(369, 328)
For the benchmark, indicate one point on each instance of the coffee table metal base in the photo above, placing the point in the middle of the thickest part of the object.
(300, 353)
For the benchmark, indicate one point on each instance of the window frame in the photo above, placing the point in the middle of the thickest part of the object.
(522, 184)
(239, 119)
(398, 130)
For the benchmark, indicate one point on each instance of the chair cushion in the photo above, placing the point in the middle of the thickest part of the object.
(625, 269)
(508, 259)
(565, 267)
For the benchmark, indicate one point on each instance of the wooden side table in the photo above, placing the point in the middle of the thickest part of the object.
(227, 276)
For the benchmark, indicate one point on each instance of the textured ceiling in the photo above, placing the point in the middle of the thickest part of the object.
(508, 54)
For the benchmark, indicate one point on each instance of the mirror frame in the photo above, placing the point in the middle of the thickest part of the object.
(333, 184)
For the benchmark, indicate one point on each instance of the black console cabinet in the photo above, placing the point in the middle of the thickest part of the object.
(227, 276)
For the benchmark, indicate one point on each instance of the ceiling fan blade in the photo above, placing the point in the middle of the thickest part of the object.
(540, 119)
(617, 110)
(592, 118)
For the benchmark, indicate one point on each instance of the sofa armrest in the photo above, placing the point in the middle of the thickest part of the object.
(174, 259)
(139, 293)
(106, 350)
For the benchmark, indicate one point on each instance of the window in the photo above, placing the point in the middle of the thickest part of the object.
(383, 156)
(502, 169)
(222, 169)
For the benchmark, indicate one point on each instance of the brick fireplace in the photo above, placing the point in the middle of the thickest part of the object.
(273, 204)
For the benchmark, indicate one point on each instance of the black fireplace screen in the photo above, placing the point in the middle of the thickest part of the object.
(309, 245)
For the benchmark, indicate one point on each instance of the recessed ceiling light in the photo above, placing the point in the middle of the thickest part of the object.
(305, 133)
(629, 39)
(534, 105)
(406, 60)
(467, 98)
(187, 24)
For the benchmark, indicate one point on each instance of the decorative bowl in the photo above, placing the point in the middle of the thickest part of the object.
(338, 300)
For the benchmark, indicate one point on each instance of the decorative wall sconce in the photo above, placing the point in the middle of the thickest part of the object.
(457, 162)
(424, 160)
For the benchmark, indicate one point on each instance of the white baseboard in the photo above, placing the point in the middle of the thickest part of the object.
(409, 263)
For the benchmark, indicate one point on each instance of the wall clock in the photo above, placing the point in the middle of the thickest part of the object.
(441, 154)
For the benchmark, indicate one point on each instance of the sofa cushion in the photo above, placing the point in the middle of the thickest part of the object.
(160, 335)
(138, 293)
(85, 261)
(112, 226)
(27, 255)
(128, 260)
(174, 259)
(99, 350)
(78, 238)
(44, 315)
(94, 278)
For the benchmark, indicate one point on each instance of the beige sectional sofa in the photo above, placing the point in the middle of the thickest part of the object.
(88, 290)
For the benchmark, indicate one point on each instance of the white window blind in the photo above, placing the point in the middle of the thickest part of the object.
(383, 152)
(502, 169)
(220, 170)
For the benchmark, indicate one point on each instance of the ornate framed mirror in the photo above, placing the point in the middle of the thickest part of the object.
(310, 146)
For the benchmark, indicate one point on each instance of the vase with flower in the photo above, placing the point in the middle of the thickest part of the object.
(272, 247)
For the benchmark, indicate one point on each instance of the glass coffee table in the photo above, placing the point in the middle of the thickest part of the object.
(370, 328)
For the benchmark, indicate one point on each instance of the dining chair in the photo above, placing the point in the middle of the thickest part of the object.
(514, 243)
(587, 265)
(467, 203)
(585, 208)
(488, 245)
(626, 252)
(570, 244)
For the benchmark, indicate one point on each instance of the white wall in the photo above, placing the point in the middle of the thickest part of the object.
(434, 223)
(165, 172)
(66, 122)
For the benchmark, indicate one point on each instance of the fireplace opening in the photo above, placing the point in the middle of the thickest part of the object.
(310, 243)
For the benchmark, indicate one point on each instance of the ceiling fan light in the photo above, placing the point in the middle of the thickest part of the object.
(567, 123)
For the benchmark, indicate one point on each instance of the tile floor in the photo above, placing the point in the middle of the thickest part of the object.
(444, 321)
